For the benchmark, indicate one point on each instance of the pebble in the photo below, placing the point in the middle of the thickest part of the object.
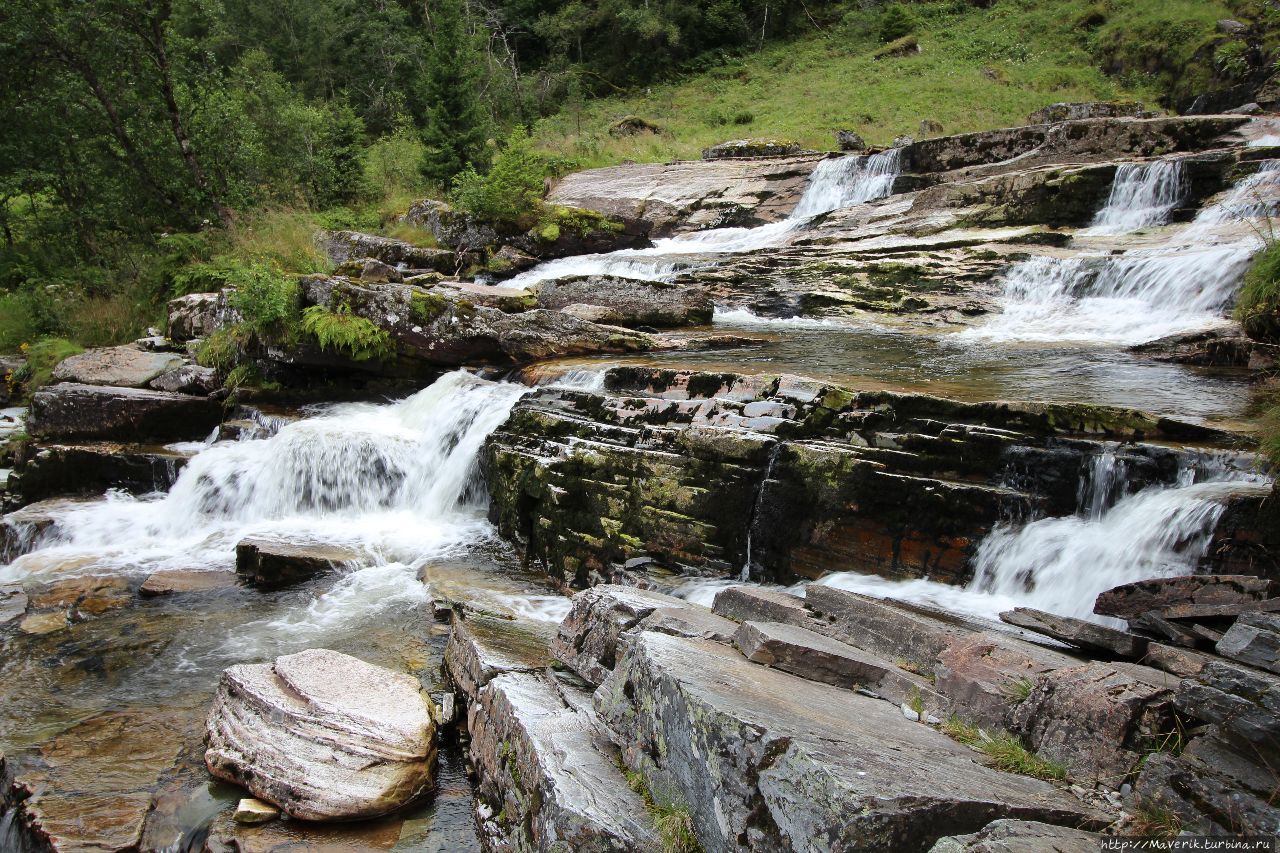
(909, 713)
(251, 811)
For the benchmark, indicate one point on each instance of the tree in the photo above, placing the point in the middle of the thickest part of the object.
(456, 126)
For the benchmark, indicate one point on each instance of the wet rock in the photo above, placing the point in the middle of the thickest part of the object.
(1164, 594)
(13, 604)
(1021, 836)
(750, 148)
(1253, 639)
(125, 367)
(847, 140)
(587, 639)
(21, 529)
(549, 779)
(594, 313)
(87, 412)
(268, 563)
(811, 655)
(343, 246)
(188, 379)
(635, 302)
(480, 648)
(323, 735)
(198, 315)
(91, 469)
(1213, 348)
(509, 260)
(44, 623)
(253, 811)
(1078, 632)
(799, 763)
(83, 596)
(178, 581)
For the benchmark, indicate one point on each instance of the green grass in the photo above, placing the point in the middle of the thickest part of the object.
(1008, 754)
(958, 730)
(672, 820)
(42, 357)
(977, 69)
(1152, 819)
(1019, 690)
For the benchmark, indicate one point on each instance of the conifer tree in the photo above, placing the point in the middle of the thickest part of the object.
(455, 131)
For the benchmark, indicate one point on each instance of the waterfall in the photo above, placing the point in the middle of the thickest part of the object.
(1062, 564)
(1183, 285)
(1142, 195)
(834, 183)
(395, 481)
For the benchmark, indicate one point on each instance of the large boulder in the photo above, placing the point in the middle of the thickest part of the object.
(1021, 836)
(323, 735)
(635, 301)
(268, 563)
(72, 410)
(125, 366)
(1093, 109)
(343, 246)
(751, 148)
(450, 227)
(765, 760)
(1169, 596)
(198, 315)
(1254, 639)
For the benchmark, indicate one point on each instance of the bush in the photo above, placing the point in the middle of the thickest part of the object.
(511, 191)
(1259, 299)
(42, 357)
(266, 298)
(346, 333)
(896, 22)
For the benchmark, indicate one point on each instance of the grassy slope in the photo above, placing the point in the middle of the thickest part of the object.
(978, 69)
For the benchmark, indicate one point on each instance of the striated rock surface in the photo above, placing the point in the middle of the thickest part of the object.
(799, 764)
(1078, 632)
(342, 246)
(322, 735)
(269, 563)
(686, 467)
(88, 412)
(1167, 596)
(750, 148)
(1254, 639)
(550, 779)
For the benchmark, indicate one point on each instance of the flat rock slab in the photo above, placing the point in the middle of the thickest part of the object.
(1021, 836)
(547, 772)
(743, 603)
(480, 648)
(171, 581)
(636, 302)
(268, 563)
(1161, 594)
(797, 764)
(1078, 632)
(587, 639)
(125, 367)
(323, 735)
(811, 655)
(1253, 639)
(87, 412)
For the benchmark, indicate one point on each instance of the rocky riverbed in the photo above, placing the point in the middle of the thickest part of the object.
(900, 500)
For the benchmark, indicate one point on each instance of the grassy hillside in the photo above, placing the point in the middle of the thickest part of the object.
(976, 69)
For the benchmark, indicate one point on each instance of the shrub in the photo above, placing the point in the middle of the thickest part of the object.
(346, 333)
(511, 191)
(42, 357)
(267, 299)
(221, 350)
(1232, 59)
(1260, 295)
(896, 22)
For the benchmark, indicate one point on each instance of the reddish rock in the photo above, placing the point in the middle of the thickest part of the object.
(1187, 591)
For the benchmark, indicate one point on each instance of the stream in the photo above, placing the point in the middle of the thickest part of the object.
(396, 485)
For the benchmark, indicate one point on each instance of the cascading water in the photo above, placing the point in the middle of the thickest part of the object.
(1142, 195)
(1183, 285)
(393, 482)
(834, 184)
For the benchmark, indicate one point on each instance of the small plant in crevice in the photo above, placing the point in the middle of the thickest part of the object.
(1007, 753)
(672, 820)
(345, 333)
(1153, 819)
(1019, 690)
(960, 731)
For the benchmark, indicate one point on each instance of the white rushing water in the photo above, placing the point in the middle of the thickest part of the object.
(1142, 195)
(1061, 564)
(393, 483)
(1183, 285)
(834, 184)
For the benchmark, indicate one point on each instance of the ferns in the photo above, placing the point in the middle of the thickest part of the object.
(343, 332)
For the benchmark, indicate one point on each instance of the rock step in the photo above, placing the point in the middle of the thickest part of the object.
(72, 410)
(549, 777)
(811, 655)
(1021, 836)
(799, 764)
(480, 648)
(1086, 635)
(1163, 595)
(1254, 639)
(269, 563)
